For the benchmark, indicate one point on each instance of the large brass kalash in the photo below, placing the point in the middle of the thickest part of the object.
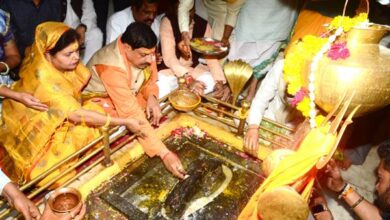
(366, 72)
(362, 83)
(227, 182)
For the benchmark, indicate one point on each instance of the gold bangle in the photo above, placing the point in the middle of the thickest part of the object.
(108, 121)
(6, 71)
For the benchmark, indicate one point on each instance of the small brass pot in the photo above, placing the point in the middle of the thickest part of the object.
(64, 200)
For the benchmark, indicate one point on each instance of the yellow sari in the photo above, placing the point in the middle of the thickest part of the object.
(36, 140)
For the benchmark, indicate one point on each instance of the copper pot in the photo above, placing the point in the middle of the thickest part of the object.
(64, 200)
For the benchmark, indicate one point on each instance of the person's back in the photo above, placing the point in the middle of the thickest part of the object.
(25, 16)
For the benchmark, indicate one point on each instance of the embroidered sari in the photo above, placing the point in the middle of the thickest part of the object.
(36, 140)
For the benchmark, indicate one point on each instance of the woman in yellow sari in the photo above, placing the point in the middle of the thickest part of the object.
(36, 140)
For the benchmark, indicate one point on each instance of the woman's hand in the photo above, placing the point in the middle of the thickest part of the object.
(172, 163)
(30, 101)
(153, 110)
(21, 203)
(134, 125)
(251, 140)
(76, 214)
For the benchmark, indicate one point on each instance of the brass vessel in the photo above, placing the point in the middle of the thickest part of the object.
(184, 100)
(64, 200)
(282, 203)
(366, 72)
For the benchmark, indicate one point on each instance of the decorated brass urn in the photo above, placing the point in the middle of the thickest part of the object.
(366, 73)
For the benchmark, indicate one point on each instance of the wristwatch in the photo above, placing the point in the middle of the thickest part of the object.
(318, 208)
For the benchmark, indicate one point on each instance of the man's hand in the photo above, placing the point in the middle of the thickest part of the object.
(184, 45)
(334, 180)
(81, 29)
(134, 126)
(153, 110)
(30, 101)
(76, 214)
(251, 140)
(197, 87)
(159, 58)
(222, 92)
(172, 163)
(20, 202)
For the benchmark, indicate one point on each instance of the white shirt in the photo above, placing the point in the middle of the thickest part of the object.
(4, 180)
(119, 21)
(220, 13)
(88, 18)
(269, 99)
(93, 36)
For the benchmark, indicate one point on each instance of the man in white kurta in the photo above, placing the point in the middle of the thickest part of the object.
(119, 21)
(93, 35)
(262, 28)
(222, 16)
(207, 74)
(269, 102)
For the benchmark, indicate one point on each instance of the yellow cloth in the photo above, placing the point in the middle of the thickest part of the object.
(294, 168)
(36, 140)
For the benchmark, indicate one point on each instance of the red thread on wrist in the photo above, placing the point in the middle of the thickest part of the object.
(189, 79)
(165, 155)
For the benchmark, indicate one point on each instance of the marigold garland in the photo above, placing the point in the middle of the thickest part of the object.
(302, 51)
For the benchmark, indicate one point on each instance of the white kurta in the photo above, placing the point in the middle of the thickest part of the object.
(269, 100)
(93, 36)
(4, 180)
(119, 21)
(220, 13)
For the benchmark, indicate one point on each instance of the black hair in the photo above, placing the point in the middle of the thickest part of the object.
(384, 153)
(67, 38)
(138, 3)
(139, 35)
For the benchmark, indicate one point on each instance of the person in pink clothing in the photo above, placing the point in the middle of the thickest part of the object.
(202, 75)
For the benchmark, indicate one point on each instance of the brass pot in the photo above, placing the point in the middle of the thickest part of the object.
(64, 200)
(184, 100)
(366, 72)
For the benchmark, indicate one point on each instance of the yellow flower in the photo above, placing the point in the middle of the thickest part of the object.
(319, 119)
(300, 54)
(304, 106)
(346, 22)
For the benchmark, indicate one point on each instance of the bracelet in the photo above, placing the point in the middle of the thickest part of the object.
(6, 68)
(357, 202)
(347, 190)
(108, 121)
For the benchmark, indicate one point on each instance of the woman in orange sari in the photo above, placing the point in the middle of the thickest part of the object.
(36, 140)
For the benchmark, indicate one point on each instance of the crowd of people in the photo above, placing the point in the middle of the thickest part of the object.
(52, 52)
